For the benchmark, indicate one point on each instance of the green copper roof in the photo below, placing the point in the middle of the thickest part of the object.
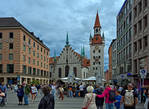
(67, 40)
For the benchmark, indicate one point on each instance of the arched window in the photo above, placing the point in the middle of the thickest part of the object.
(66, 71)
(59, 72)
(75, 71)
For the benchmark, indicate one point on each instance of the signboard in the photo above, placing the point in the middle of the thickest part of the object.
(143, 73)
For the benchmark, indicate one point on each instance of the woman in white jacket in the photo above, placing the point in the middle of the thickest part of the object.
(89, 100)
(146, 105)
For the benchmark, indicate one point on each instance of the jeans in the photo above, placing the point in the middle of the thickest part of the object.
(109, 106)
(70, 93)
(26, 99)
(99, 107)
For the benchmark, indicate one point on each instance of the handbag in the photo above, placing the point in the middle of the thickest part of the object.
(86, 107)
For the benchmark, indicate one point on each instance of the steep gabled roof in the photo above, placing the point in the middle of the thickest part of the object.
(85, 62)
(97, 22)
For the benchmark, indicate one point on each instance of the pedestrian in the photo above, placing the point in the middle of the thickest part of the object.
(109, 95)
(61, 91)
(2, 95)
(34, 92)
(81, 87)
(47, 101)
(53, 91)
(118, 100)
(26, 94)
(70, 93)
(20, 94)
(3, 88)
(89, 100)
(129, 97)
(99, 101)
(146, 105)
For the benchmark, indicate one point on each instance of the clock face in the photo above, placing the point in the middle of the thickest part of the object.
(96, 47)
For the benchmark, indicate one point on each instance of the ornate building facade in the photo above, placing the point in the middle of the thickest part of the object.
(70, 61)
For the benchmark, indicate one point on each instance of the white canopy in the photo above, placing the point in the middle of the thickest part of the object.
(66, 78)
(90, 79)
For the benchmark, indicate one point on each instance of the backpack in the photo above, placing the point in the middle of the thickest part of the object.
(112, 95)
(129, 98)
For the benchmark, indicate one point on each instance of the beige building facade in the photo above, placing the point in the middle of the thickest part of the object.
(23, 56)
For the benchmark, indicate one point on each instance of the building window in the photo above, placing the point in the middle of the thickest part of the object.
(11, 35)
(34, 71)
(41, 64)
(93, 51)
(29, 50)
(10, 68)
(1, 35)
(41, 72)
(29, 60)
(140, 6)
(99, 51)
(24, 37)
(93, 63)
(75, 71)
(145, 3)
(145, 22)
(135, 29)
(24, 59)
(135, 12)
(135, 46)
(140, 44)
(30, 70)
(1, 68)
(130, 18)
(37, 55)
(41, 49)
(140, 25)
(41, 57)
(0, 45)
(99, 63)
(66, 71)
(10, 56)
(34, 44)
(47, 53)
(0, 57)
(59, 72)
(10, 45)
(37, 47)
(24, 47)
(24, 69)
(29, 41)
(33, 53)
(37, 63)
(34, 61)
(96, 68)
(145, 41)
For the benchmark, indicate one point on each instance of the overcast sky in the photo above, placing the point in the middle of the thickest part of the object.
(52, 19)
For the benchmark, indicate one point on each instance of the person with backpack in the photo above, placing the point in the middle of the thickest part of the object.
(109, 95)
(129, 97)
(47, 101)
(99, 101)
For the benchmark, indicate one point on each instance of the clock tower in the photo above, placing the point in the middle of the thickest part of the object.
(97, 52)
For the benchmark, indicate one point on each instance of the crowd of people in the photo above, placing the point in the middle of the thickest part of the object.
(95, 96)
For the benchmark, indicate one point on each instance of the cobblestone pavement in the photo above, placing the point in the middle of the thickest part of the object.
(68, 103)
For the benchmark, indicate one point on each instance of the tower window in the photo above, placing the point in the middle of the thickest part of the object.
(1, 35)
(96, 30)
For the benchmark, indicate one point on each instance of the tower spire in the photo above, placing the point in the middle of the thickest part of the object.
(54, 55)
(97, 21)
(67, 40)
(83, 52)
